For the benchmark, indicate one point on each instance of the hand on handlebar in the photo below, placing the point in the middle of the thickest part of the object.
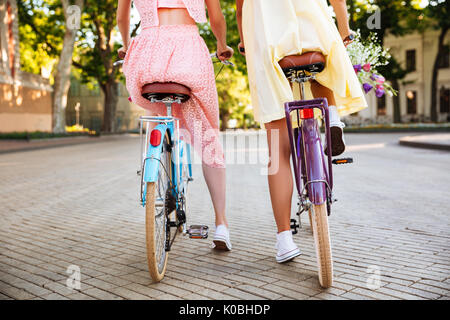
(224, 53)
(122, 52)
(349, 38)
(241, 48)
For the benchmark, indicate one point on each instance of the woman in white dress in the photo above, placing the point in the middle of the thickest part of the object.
(271, 30)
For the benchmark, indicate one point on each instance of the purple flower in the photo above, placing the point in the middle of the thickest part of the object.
(367, 87)
(357, 68)
(379, 92)
(373, 77)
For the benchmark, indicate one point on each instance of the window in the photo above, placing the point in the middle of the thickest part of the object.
(444, 62)
(411, 60)
(411, 102)
(381, 106)
(444, 100)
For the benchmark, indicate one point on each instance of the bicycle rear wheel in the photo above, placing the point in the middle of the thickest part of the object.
(157, 218)
(310, 220)
(322, 243)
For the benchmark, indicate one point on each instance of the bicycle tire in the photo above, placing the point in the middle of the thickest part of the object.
(322, 244)
(156, 232)
(310, 220)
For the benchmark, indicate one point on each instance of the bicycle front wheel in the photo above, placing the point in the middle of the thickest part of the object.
(321, 233)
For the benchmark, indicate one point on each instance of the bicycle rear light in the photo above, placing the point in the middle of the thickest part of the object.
(307, 113)
(155, 137)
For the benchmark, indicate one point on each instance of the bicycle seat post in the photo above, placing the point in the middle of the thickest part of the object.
(169, 108)
(302, 90)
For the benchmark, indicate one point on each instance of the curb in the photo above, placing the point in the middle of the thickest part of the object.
(417, 142)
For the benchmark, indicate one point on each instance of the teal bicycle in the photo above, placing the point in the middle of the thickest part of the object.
(165, 173)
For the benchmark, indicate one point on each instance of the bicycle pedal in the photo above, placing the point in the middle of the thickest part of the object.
(198, 232)
(342, 161)
(294, 226)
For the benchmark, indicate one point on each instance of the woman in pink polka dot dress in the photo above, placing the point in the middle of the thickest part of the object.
(170, 49)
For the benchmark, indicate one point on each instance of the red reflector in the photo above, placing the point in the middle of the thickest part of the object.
(307, 113)
(155, 138)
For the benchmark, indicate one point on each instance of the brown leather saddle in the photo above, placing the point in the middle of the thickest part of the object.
(312, 62)
(166, 90)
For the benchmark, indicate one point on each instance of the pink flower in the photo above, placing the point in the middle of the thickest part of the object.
(366, 67)
(381, 79)
(379, 86)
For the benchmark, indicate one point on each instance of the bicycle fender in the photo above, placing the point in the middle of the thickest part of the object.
(152, 164)
(315, 165)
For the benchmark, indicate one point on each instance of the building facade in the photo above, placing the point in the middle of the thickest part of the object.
(416, 53)
(91, 102)
(25, 99)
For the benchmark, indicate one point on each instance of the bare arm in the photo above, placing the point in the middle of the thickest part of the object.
(123, 22)
(239, 4)
(340, 8)
(219, 28)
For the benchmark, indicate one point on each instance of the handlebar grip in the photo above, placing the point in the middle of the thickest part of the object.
(226, 54)
(349, 39)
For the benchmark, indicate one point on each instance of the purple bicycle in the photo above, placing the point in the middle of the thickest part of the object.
(312, 170)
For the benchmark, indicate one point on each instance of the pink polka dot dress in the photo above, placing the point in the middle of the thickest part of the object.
(177, 53)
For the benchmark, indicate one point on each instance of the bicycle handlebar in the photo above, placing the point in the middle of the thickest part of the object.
(225, 62)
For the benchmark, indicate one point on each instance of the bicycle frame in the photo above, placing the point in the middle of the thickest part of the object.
(312, 176)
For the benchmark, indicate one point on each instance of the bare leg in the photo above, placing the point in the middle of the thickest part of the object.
(280, 178)
(336, 126)
(319, 91)
(216, 181)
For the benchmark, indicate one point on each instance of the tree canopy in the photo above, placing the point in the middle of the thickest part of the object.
(42, 29)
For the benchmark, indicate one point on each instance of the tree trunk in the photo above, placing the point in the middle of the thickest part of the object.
(434, 79)
(397, 117)
(62, 76)
(111, 91)
(224, 123)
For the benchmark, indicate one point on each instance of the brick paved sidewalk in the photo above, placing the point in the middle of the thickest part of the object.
(78, 206)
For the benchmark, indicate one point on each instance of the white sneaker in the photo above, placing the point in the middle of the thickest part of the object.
(335, 119)
(287, 249)
(221, 240)
(337, 133)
